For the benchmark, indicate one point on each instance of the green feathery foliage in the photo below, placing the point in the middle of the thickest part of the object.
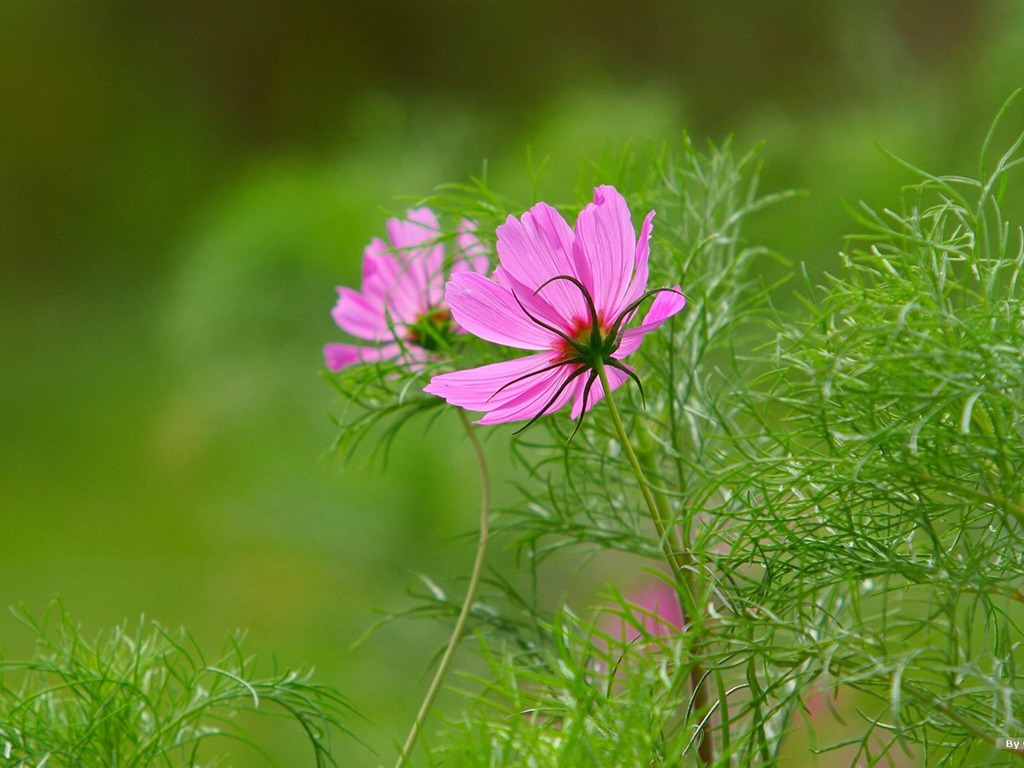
(837, 488)
(885, 502)
(842, 483)
(146, 696)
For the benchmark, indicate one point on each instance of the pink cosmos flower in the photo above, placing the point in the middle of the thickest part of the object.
(645, 623)
(566, 293)
(658, 610)
(655, 613)
(401, 311)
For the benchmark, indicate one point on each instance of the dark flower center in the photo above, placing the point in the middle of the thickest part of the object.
(433, 330)
(587, 346)
(586, 343)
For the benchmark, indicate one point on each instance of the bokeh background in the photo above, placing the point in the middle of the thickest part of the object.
(182, 185)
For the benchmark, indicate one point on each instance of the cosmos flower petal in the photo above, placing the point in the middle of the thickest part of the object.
(537, 249)
(396, 281)
(488, 386)
(547, 393)
(605, 247)
(359, 316)
(420, 257)
(419, 227)
(471, 255)
(532, 305)
(665, 304)
(339, 356)
(470, 252)
(379, 271)
(643, 251)
(410, 296)
(490, 311)
(511, 390)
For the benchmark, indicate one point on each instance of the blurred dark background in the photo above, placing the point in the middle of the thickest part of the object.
(182, 185)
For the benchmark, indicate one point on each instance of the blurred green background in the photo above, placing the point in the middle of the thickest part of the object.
(182, 186)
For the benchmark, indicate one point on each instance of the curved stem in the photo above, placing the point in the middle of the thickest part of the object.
(467, 603)
(678, 561)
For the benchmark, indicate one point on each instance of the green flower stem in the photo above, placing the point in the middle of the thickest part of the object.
(467, 603)
(668, 528)
(679, 561)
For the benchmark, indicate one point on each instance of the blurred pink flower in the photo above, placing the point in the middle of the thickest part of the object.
(568, 293)
(659, 613)
(655, 613)
(639, 625)
(400, 311)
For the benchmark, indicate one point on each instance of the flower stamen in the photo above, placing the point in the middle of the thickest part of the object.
(566, 338)
(624, 315)
(552, 401)
(595, 323)
(525, 376)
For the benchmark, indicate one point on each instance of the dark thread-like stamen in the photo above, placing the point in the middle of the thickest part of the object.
(583, 410)
(551, 402)
(588, 356)
(517, 379)
(583, 289)
(616, 326)
(620, 366)
(567, 339)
